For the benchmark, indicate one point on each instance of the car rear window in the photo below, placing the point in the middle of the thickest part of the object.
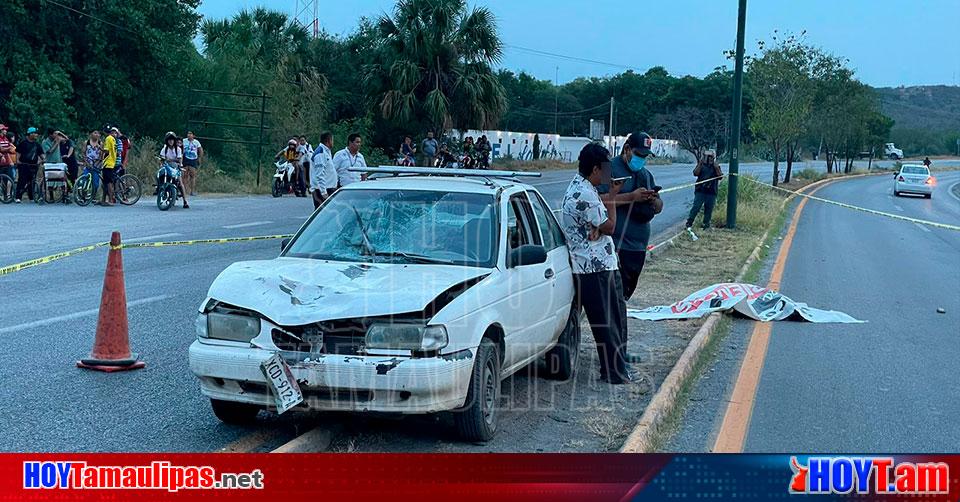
(915, 170)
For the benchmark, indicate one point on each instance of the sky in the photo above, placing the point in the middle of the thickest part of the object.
(888, 42)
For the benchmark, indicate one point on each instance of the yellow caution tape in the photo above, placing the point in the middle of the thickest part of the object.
(858, 208)
(47, 259)
(223, 240)
(688, 185)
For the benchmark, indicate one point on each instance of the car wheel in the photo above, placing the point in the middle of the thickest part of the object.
(478, 419)
(562, 360)
(927, 195)
(231, 412)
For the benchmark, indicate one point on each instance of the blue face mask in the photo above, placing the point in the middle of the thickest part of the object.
(637, 163)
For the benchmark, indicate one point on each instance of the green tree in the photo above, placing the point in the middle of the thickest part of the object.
(434, 65)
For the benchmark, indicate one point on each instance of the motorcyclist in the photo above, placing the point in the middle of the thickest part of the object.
(292, 154)
(469, 152)
(407, 151)
(444, 157)
(172, 156)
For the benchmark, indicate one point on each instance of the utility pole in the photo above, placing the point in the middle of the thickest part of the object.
(556, 100)
(735, 113)
(610, 126)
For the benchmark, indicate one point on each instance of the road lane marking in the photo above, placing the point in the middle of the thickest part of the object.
(152, 237)
(250, 224)
(77, 315)
(921, 227)
(898, 208)
(736, 419)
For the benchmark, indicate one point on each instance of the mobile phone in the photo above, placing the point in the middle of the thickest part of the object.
(657, 188)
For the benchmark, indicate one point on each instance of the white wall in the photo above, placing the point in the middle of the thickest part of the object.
(517, 144)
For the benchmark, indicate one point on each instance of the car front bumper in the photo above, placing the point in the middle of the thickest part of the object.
(337, 382)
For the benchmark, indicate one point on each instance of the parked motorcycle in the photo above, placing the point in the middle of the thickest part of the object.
(283, 178)
(168, 185)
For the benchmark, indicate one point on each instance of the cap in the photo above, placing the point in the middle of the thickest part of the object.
(292, 142)
(31, 130)
(641, 143)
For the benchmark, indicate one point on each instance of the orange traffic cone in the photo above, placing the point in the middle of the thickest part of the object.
(111, 348)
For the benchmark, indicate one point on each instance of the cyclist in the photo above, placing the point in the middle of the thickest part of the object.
(172, 155)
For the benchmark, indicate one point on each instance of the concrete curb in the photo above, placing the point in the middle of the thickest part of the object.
(664, 402)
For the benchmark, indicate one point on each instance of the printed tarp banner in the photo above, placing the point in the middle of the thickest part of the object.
(760, 304)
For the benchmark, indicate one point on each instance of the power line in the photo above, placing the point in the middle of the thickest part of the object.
(91, 16)
(571, 58)
(567, 113)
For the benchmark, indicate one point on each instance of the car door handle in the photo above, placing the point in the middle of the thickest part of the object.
(548, 274)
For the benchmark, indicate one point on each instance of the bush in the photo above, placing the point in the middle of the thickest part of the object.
(756, 205)
(810, 174)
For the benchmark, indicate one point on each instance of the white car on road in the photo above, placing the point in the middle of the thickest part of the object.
(914, 179)
(404, 294)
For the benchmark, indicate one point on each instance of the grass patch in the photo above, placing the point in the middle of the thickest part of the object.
(211, 179)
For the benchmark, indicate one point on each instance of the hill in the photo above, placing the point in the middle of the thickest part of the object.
(925, 107)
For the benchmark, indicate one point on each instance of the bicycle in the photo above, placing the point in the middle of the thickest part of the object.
(8, 189)
(88, 185)
(128, 188)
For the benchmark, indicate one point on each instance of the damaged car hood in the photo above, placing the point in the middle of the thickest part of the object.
(297, 291)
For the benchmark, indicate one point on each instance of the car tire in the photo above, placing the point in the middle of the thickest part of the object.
(562, 360)
(231, 412)
(479, 417)
(927, 195)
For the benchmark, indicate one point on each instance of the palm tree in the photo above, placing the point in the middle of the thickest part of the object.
(435, 65)
(259, 38)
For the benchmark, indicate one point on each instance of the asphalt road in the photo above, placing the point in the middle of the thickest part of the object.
(887, 385)
(49, 318)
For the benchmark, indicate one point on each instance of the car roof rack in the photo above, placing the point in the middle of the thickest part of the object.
(443, 171)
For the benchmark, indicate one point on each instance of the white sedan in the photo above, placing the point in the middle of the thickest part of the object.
(407, 294)
(914, 179)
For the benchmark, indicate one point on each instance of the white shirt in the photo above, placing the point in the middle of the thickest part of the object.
(343, 161)
(191, 149)
(306, 152)
(582, 212)
(323, 176)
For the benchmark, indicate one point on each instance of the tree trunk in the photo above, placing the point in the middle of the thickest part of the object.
(829, 159)
(791, 151)
(776, 165)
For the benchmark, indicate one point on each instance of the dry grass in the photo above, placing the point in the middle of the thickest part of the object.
(212, 179)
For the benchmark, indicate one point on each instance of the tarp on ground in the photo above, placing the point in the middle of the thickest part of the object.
(754, 302)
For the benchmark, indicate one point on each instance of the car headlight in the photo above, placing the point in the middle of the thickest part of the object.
(238, 328)
(406, 337)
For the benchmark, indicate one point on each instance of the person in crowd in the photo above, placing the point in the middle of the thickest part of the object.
(29, 159)
(92, 157)
(172, 154)
(708, 175)
(444, 157)
(111, 159)
(483, 152)
(51, 146)
(292, 155)
(8, 154)
(192, 155)
(349, 158)
(926, 162)
(121, 153)
(125, 148)
(323, 177)
(408, 151)
(589, 221)
(306, 154)
(469, 152)
(69, 157)
(429, 148)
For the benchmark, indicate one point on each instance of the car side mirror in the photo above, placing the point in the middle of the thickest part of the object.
(283, 244)
(529, 254)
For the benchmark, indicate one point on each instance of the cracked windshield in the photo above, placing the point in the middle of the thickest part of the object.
(390, 226)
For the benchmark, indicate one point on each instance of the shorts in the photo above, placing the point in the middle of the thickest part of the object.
(109, 174)
(190, 162)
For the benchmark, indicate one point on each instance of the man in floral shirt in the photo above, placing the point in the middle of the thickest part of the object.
(588, 222)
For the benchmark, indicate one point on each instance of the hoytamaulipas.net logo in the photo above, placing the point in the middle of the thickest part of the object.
(868, 475)
(159, 475)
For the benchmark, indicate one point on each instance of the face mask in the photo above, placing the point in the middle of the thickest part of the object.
(637, 163)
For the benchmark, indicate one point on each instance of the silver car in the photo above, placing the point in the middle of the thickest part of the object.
(915, 179)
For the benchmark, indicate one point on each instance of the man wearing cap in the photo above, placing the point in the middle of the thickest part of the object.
(708, 175)
(637, 204)
(29, 158)
(8, 153)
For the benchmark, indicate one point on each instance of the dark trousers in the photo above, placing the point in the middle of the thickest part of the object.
(631, 264)
(25, 180)
(707, 201)
(600, 294)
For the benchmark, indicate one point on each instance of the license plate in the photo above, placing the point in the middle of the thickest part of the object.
(285, 389)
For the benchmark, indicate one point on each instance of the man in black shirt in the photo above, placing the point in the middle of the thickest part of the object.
(705, 193)
(29, 158)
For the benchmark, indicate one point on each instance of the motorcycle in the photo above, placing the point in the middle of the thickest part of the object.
(283, 178)
(168, 184)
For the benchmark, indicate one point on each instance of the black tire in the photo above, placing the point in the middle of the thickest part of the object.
(896, 193)
(479, 417)
(562, 360)
(277, 187)
(83, 192)
(129, 189)
(230, 412)
(927, 195)
(7, 189)
(166, 196)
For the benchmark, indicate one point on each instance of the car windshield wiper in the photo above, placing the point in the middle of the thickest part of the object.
(367, 247)
(413, 257)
